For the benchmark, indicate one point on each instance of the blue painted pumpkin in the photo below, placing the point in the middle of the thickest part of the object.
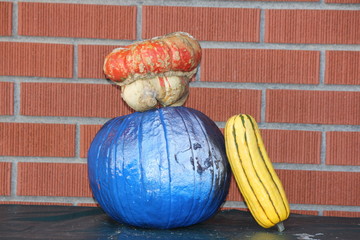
(163, 168)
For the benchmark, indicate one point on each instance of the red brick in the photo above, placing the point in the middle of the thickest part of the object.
(234, 192)
(36, 59)
(291, 146)
(342, 214)
(5, 178)
(305, 212)
(5, 18)
(72, 99)
(91, 60)
(88, 205)
(235, 195)
(37, 139)
(321, 187)
(87, 134)
(315, 187)
(53, 179)
(37, 203)
(260, 65)
(204, 23)
(342, 67)
(342, 1)
(233, 208)
(312, 26)
(342, 148)
(278, 0)
(77, 20)
(313, 107)
(283, 0)
(220, 104)
(6, 98)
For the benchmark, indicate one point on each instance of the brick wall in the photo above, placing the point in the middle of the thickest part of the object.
(293, 65)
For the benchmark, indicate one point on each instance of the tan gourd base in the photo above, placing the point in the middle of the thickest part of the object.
(146, 94)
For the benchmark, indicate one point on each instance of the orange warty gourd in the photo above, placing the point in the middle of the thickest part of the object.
(155, 71)
(175, 54)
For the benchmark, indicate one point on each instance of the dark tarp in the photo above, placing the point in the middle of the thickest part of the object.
(63, 222)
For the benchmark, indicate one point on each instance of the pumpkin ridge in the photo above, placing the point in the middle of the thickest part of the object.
(194, 169)
(210, 156)
(161, 116)
(140, 140)
(223, 191)
(119, 205)
(122, 167)
(132, 118)
(102, 133)
(124, 125)
(140, 156)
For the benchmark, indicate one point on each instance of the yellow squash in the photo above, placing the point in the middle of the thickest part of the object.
(253, 171)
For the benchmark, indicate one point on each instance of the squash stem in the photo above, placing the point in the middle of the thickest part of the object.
(280, 226)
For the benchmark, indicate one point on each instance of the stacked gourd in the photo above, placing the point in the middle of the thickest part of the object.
(155, 71)
(165, 165)
(158, 167)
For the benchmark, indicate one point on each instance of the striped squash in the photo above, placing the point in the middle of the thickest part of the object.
(254, 173)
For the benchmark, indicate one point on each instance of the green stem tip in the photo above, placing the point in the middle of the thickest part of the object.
(280, 226)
